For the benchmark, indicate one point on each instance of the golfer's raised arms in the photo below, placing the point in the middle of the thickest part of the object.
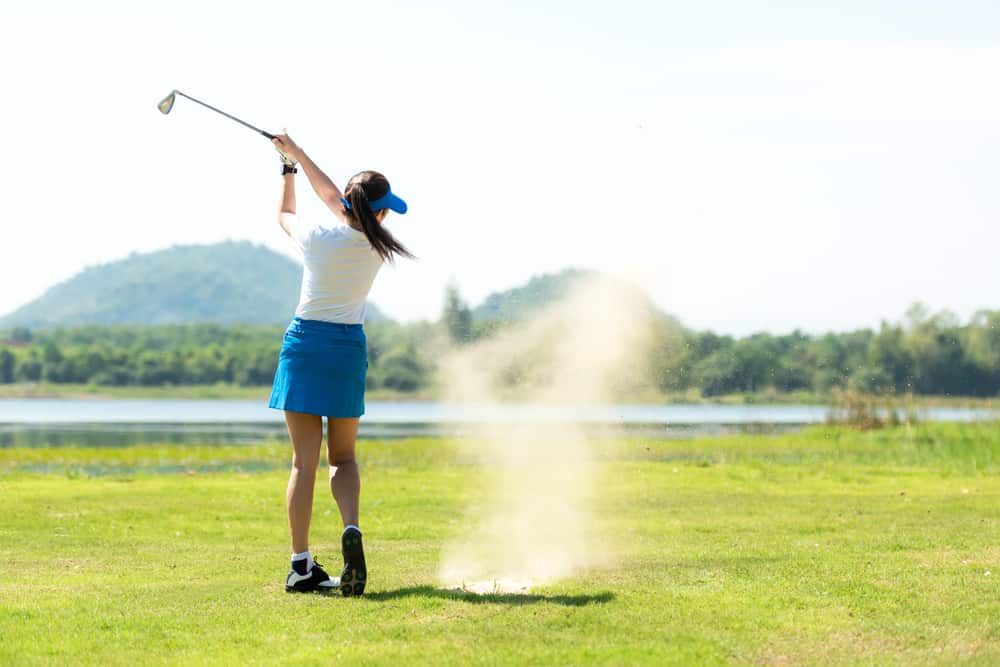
(325, 189)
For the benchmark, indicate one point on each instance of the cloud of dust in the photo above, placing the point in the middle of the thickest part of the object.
(534, 522)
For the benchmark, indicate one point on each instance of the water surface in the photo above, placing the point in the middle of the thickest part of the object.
(121, 422)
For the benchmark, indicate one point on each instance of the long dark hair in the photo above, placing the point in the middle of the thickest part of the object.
(361, 189)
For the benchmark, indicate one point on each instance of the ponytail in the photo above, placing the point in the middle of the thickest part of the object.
(380, 238)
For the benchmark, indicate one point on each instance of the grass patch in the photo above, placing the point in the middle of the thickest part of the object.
(824, 547)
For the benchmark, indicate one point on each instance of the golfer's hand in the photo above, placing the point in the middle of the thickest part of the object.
(288, 150)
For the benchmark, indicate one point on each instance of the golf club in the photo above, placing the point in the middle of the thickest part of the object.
(167, 103)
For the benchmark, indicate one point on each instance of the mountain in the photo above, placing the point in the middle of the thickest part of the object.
(520, 302)
(231, 282)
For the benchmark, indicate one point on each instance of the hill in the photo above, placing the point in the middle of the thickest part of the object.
(519, 302)
(235, 282)
(540, 291)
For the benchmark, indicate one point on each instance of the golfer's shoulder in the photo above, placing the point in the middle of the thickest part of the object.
(336, 239)
(340, 234)
(296, 223)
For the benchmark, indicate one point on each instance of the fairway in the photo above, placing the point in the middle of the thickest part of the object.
(823, 547)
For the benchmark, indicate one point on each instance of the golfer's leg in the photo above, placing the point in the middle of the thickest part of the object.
(306, 432)
(345, 481)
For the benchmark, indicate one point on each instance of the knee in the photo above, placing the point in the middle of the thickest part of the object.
(302, 464)
(336, 460)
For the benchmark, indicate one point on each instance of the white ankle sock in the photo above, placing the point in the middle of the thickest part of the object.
(346, 528)
(305, 555)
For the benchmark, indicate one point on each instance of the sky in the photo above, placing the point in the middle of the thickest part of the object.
(750, 165)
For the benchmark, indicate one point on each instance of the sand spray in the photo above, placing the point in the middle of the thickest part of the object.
(534, 520)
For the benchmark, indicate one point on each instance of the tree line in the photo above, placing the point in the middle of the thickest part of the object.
(195, 354)
(926, 353)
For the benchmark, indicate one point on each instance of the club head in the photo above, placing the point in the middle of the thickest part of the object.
(167, 103)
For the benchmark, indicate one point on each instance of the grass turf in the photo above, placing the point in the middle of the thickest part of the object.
(824, 547)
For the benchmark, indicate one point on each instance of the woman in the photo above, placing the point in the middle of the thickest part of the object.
(323, 361)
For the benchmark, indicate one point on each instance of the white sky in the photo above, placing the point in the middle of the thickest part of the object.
(753, 165)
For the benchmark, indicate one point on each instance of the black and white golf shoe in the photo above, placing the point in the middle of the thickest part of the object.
(315, 580)
(355, 574)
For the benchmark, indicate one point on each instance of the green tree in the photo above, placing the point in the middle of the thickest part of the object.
(52, 366)
(889, 366)
(29, 368)
(671, 358)
(981, 348)
(934, 344)
(795, 367)
(457, 317)
(20, 335)
(7, 361)
(401, 370)
(718, 373)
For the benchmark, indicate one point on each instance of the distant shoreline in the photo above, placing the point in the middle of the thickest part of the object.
(236, 392)
(202, 392)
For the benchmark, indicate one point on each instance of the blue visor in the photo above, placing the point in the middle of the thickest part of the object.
(388, 200)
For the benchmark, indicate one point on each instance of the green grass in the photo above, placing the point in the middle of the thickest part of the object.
(825, 547)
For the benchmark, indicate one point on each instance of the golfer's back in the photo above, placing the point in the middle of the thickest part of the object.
(339, 267)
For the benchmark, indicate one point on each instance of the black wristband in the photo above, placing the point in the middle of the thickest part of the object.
(288, 169)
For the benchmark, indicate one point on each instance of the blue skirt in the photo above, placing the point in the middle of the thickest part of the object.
(322, 369)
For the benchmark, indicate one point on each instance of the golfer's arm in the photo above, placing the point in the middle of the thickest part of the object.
(321, 183)
(287, 206)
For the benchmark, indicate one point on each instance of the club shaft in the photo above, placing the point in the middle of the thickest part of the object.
(243, 123)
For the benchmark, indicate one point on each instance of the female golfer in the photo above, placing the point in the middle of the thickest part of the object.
(323, 361)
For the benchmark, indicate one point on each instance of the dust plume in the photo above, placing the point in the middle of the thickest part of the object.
(534, 522)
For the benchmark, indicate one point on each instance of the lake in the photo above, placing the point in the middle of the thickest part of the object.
(92, 422)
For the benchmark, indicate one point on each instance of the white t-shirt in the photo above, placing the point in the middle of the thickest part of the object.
(339, 267)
